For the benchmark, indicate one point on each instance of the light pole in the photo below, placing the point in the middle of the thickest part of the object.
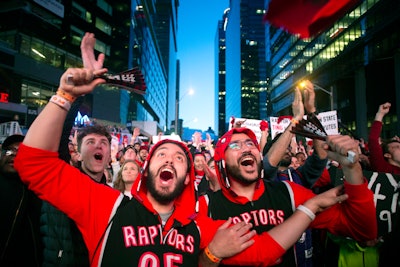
(330, 93)
(177, 101)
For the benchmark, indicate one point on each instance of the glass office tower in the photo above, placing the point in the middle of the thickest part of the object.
(245, 64)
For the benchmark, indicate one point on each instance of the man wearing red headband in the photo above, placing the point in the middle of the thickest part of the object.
(245, 196)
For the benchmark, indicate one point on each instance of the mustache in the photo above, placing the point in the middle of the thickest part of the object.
(247, 154)
(166, 166)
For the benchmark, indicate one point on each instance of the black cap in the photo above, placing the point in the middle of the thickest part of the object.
(16, 138)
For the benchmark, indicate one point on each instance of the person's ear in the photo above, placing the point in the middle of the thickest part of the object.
(387, 155)
(79, 156)
(187, 179)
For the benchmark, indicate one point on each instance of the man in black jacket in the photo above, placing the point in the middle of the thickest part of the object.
(20, 243)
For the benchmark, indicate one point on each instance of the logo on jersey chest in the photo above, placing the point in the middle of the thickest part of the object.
(261, 217)
(152, 235)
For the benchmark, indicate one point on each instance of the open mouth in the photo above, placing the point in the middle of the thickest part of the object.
(98, 156)
(166, 175)
(247, 161)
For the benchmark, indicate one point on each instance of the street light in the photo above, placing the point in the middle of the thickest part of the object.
(330, 92)
(177, 101)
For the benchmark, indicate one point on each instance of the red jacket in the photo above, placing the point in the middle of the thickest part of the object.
(92, 206)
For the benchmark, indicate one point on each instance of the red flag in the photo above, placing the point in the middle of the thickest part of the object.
(306, 17)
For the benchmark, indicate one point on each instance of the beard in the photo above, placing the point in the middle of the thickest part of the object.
(164, 196)
(234, 172)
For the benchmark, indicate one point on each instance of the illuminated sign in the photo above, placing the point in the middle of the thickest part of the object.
(4, 97)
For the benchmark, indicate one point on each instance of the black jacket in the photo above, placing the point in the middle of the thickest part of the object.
(20, 242)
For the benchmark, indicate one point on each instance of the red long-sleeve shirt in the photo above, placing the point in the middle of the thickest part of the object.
(92, 206)
(376, 158)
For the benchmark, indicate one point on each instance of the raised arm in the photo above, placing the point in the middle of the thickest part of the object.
(376, 155)
(45, 131)
(382, 111)
(309, 106)
(264, 127)
(135, 136)
(278, 149)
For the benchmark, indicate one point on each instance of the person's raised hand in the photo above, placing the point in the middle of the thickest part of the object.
(239, 124)
(343, 149)
(114, 147)
(87, 52)
(136, 131)
(297, 105)
(79, 81)
(308, 96)
(384, 108)
(208, 140)
(197, 139)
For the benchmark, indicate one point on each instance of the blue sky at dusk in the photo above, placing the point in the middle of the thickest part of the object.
(197, 27)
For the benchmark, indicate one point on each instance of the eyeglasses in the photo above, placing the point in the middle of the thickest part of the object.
(9, 152)
(236, 145)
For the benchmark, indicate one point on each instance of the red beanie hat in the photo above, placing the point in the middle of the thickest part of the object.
(222, 144)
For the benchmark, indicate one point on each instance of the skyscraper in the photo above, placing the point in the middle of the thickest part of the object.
(220, 75)
(245, 64)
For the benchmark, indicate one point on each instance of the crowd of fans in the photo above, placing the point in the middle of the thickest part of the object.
(257, 202)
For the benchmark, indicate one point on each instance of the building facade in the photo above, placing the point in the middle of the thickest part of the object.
(355, 63)
(354, 66)
(154, 49)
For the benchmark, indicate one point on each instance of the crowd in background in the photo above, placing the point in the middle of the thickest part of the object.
(127, 157)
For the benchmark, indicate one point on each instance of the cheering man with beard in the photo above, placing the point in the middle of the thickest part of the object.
(246, 196)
